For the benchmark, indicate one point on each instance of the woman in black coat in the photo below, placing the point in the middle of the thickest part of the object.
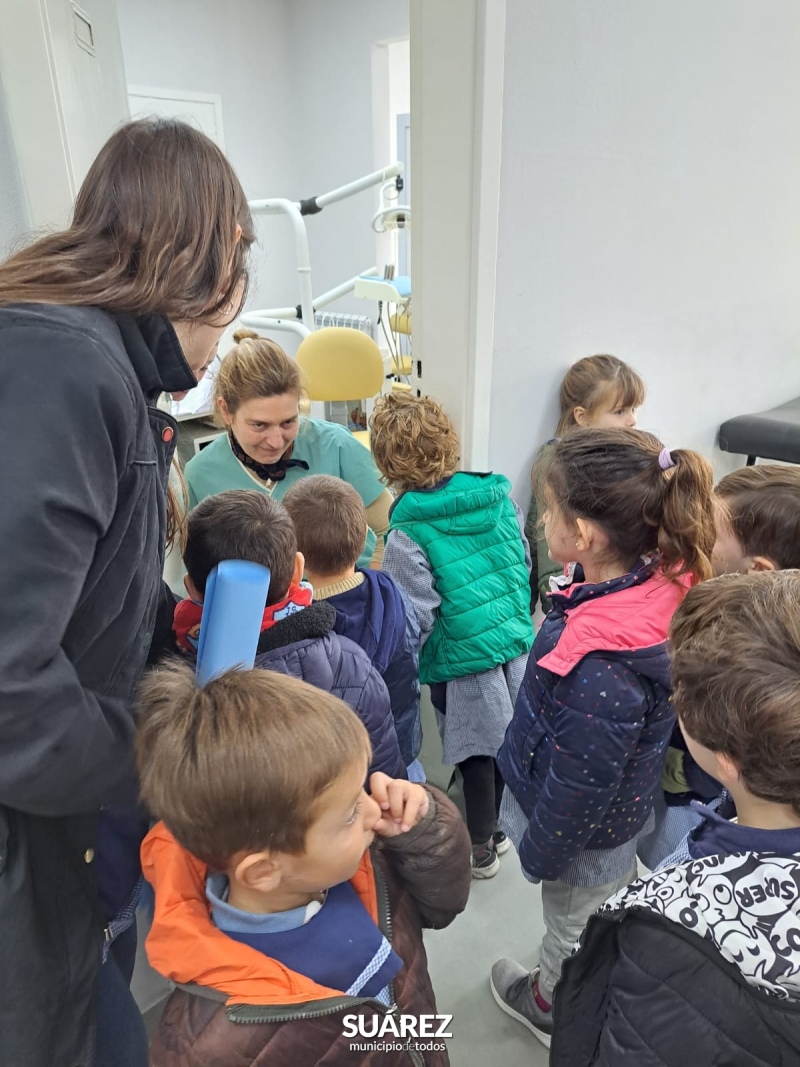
(95, 322)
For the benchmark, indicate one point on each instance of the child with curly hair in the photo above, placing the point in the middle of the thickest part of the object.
(456, 546)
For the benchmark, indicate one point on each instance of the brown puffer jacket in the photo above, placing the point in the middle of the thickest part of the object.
(422, 879)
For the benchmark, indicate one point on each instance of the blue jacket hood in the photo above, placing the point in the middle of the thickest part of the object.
(373, 615)
(378, 617)
(718, 835)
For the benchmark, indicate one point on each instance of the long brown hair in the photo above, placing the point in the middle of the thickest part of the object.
(598, 383)
(153, 231)
(614, 478)
(177, 507)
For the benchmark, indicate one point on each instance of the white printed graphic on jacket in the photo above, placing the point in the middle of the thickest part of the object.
(747, 905)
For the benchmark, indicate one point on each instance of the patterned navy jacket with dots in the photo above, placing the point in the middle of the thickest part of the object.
(584, 752)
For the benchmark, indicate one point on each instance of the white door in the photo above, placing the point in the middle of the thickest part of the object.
(203, 110)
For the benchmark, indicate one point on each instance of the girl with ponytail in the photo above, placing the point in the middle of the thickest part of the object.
(583, 756)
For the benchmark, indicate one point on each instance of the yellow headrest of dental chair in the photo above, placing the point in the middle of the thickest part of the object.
(340, 364)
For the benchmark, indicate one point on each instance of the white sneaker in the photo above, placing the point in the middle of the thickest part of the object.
(485, 861)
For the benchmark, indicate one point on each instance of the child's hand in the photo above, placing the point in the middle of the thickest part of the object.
(402, 803)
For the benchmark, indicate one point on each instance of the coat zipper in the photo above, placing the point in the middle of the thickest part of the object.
(384, 915)
(254, 1013)
(257, 1013)
(385, 921)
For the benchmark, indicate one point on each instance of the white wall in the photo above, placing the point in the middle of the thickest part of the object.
(457, 59)
(14, 218)
(333, 144)
(399, 57)
(64, 91)
(242, 51)
(649, 207)
(391, 96)
(296, 84)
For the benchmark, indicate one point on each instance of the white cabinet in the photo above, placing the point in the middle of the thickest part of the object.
(64, 84)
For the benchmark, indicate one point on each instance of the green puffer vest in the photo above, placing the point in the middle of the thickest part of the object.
(469, 531)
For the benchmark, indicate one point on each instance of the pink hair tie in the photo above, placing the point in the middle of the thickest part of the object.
(665, 460)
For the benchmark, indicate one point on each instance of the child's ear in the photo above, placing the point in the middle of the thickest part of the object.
(585, 535)
(299, 568)
(760, 563)
(258, 871)
(192, 590)
(579, 415)
(223, 410)
(729, 771)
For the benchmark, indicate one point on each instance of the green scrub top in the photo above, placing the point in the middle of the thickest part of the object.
(326, 447)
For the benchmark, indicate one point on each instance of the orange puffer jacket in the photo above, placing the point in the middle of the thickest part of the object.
(239, 1008)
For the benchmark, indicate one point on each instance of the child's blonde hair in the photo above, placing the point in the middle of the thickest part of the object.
(414, 443)
(598, 383)
(254, 368)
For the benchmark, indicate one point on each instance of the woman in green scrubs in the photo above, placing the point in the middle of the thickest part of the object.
(269, 445)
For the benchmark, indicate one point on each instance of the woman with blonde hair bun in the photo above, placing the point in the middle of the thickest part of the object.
(270, 446)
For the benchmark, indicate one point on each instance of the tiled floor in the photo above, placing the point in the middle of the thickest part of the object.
(503, 918)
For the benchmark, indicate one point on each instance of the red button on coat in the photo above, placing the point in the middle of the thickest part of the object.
(167, 433)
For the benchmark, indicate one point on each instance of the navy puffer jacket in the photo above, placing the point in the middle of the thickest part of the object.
(305, 646)
(585, 750)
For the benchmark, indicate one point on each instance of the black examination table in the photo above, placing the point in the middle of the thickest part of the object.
(773, 434)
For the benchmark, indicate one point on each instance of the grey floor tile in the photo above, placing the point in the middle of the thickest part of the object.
(502, 918)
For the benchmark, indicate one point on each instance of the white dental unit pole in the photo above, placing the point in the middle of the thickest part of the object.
(292, 210)
(287, 318)
(282, 318)
(378, 177)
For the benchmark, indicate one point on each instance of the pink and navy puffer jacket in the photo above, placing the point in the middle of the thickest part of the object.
(584, 752)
